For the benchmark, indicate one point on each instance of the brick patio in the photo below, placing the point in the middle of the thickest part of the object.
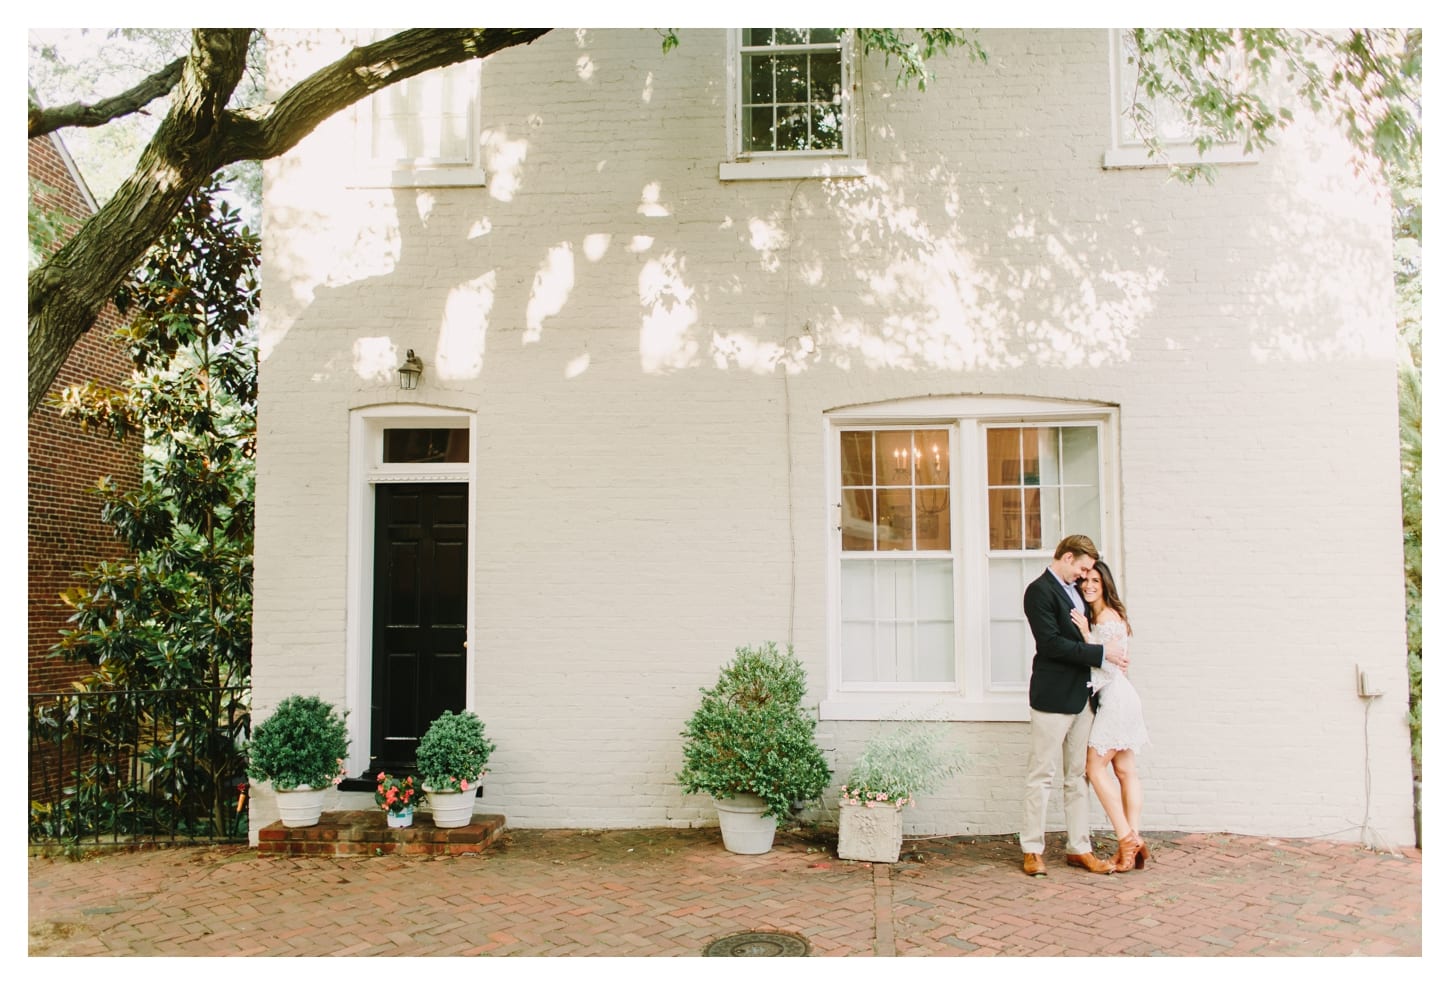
(673, 891)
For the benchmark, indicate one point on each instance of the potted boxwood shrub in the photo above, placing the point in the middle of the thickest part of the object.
(300, 748)
(752, 747)
(893, 769)
(451, 759)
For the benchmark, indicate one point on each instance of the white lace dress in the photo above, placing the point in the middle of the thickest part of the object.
(1119, 721)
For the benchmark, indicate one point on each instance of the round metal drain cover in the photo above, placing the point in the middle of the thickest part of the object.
(759, 944)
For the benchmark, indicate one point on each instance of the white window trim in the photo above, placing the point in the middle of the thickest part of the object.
(971, 698)
(423, 173)
(845, 163)
(1126, 150)
(366, 470)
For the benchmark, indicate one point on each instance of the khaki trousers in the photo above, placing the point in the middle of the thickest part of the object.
(1057, 739)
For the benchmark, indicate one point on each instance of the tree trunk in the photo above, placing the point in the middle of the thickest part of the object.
(198, 136)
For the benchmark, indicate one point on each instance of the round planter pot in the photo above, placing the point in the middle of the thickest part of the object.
(400, 819)
(870, 833)
(452, 810)
(744, 825)
(300, 807)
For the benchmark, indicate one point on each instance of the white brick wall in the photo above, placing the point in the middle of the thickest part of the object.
(634, 505)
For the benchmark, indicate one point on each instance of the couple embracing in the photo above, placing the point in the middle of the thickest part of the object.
(1086, 716)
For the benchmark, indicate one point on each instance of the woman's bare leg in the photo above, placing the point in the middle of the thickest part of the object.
(1125, 765)
(1108, 795)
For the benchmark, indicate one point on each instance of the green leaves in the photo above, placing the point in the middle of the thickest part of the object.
(453, 750)
(1225, 82)
(302, 742)
(750, 735)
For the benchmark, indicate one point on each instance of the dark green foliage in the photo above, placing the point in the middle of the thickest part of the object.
(173, 620)
(303, 742)
(1224, 81)
(453, 752)
(750, 734)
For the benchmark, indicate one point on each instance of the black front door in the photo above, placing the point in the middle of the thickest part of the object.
(420, 592)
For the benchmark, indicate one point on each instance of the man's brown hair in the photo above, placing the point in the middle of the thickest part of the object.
(1076, 544)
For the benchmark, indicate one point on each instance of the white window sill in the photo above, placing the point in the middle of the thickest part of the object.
(1138, 157)
(895, 707)
(793, 167)
(457, 177)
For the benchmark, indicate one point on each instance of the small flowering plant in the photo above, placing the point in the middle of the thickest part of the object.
(397, 794)
(896, 766)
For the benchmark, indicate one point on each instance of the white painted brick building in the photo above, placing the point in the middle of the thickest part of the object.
(680, 387)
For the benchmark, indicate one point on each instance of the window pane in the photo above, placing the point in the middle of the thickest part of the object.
(790, 78)
(1051, 519)
(1084, 512)
(759, 79)
(1032, 519)
(1032, 454)
(792, 129)
(934, 590)
(858, 652)
(404, 445)
(757, 35)
(1080, 456)
(1004, 456)
(825, 128)
(857, 467)
(858, 588)
(1047, 455)
(893, 533)
(893, 458)
(792, 35)
(825, 76)
(858, 520)
(825, 35)
(1010, 657)
(1004, 519)
(760, 129)
(935, 659)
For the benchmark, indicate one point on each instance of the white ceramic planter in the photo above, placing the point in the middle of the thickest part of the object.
(870, 833)
(300, 807)
(452, 810)
(744, 826)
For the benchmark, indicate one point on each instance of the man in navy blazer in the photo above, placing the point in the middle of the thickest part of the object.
(1057, 694)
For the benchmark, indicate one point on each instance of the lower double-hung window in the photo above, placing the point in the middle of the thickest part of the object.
(944, 511)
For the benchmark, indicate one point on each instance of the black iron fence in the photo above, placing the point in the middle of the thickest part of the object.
(139, 767)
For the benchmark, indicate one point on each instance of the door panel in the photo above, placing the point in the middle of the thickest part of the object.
(420, 605)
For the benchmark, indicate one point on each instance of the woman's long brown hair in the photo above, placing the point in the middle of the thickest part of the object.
(1111, 598)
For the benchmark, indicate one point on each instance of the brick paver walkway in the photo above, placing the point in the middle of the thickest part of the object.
(673, 891)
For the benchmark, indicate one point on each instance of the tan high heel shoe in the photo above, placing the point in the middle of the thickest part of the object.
(1130, 850)
(1141, 858)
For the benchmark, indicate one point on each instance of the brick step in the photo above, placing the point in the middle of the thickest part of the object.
(367, 833)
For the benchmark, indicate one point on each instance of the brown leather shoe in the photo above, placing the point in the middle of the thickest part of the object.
(1032, 864)
(1090, 862)
(1129, 848)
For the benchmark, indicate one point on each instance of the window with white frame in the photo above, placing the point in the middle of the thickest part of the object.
(1175, 134)
(423, 130)
(790, 104)
(943, 512)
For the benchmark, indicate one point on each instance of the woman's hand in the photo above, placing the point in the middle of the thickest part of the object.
(1080, 621)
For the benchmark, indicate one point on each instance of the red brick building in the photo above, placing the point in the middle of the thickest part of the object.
(66, 532)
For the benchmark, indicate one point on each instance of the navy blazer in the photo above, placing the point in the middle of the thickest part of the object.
(1061, 666)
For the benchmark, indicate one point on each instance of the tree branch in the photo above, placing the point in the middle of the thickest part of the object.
(42, 121)
(265, 131)
(198, 136)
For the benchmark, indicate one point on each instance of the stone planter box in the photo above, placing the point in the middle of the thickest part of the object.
(870, 833)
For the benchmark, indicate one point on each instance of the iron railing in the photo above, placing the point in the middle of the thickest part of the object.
(138, 767)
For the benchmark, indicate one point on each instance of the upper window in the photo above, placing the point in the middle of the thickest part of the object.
(423, 130)
(1175, 135)
(946, 510)
(791, 106)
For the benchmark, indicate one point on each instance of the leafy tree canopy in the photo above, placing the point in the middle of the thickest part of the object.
(1224, 80)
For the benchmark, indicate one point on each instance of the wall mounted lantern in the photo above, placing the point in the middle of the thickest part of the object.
(409, 372)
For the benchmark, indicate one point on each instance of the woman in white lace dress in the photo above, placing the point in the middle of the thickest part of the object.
(1118, 729)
